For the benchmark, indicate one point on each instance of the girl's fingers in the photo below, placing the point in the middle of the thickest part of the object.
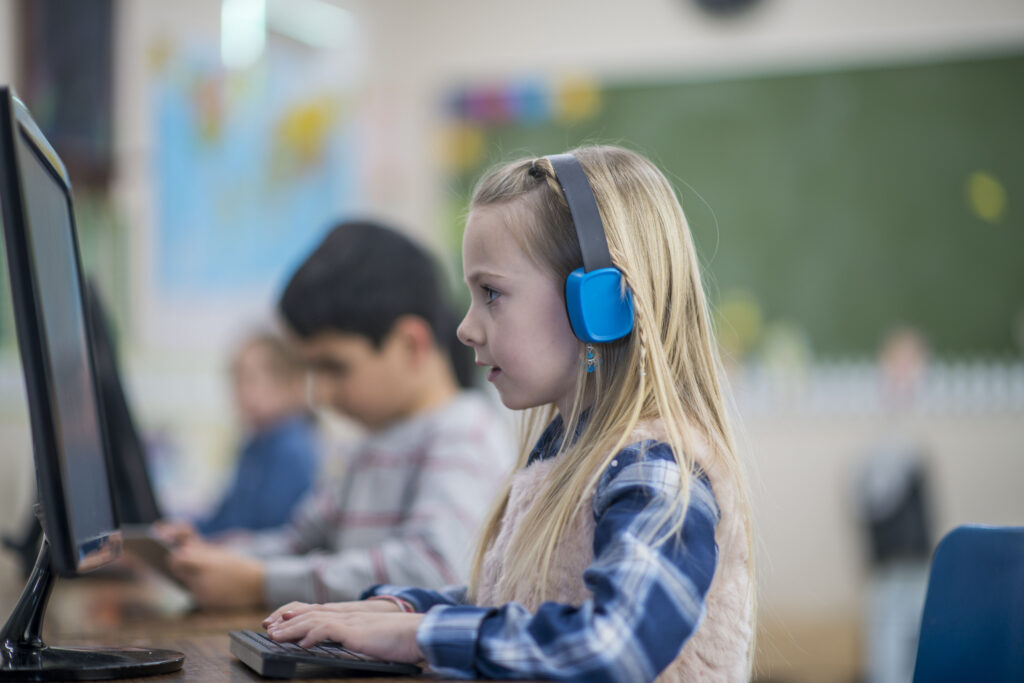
(388, 636)
(320, 632)
(291, 628)
(293, 609)
(287, 611)
(298, 627)
(281, 631)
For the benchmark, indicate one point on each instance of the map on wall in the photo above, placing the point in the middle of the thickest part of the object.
(250, 168)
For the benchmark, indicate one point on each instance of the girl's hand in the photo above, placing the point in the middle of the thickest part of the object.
(387, 635)
(294, 609)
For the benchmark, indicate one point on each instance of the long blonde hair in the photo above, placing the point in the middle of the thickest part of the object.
(667, 369)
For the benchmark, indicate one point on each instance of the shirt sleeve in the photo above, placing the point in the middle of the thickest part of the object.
(224, 516)
(430, 546)
(648, 598)
(420, 598)
(289, 483)
(291, 462)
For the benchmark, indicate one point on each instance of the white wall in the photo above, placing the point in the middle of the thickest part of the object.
(7, 45)
(15, 465)
(813, 554)
(15, 469)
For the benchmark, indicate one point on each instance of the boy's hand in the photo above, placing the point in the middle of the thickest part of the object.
(175, 532)
(218, 577)
(386, 635)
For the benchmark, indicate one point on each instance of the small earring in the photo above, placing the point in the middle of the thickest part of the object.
(591, 359)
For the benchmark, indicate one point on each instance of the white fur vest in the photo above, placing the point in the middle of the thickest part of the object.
(719, 649)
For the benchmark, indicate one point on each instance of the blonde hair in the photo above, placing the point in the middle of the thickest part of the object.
(283, 360)
(667, 369)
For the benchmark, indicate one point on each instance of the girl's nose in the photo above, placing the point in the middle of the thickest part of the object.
(467, 332)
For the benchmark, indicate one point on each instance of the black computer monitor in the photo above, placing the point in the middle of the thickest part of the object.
(71, 454)
(134, 497)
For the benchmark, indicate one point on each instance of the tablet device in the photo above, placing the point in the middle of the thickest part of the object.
(140, 540)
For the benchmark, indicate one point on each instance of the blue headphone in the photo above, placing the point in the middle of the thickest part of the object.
(598, 312)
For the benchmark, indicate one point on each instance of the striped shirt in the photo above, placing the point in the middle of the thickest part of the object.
(406, 509)
(645, 600)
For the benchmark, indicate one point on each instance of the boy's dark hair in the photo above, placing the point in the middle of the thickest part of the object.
(360, 279)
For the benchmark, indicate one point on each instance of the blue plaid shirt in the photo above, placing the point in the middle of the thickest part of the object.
(647, 599)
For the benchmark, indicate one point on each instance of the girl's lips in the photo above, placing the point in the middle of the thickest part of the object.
(495, 371)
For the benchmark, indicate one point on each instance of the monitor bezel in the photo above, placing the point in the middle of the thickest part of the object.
(68, 555)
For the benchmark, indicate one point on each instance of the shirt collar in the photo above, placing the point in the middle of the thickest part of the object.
(550, 441)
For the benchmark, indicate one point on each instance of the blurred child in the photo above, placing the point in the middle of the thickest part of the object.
(620, 549)
(894, 494)
(377, 335)
(278, 461)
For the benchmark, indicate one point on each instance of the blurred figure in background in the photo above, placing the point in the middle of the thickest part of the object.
(377, 334)
(895, 516)
(278, 460)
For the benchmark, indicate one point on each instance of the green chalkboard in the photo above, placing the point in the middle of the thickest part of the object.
(841, 203)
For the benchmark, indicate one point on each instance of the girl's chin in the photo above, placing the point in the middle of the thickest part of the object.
(513, 402)
(509, 403)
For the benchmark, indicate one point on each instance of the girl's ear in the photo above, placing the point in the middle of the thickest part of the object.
(414, 336)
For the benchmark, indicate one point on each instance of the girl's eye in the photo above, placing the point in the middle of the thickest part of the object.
(490, 295)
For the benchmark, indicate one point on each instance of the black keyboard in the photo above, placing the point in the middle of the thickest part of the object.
(272, 659)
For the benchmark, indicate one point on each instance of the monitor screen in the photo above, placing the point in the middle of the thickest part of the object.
(67, 423)
(78, 433)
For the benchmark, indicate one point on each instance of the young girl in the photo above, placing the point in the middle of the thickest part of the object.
(621, 551)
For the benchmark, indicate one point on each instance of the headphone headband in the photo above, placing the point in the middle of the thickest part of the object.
(599, 310)
(583, 208)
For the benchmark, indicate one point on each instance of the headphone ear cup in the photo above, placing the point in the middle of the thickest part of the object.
(598, 311)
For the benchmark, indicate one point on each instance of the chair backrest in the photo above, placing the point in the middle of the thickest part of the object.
(972, 628)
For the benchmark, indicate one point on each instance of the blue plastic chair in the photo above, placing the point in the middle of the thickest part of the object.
(972, 628)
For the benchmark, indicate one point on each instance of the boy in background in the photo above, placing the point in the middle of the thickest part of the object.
(378, 337)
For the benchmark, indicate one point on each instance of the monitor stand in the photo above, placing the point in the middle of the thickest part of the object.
(25, 657)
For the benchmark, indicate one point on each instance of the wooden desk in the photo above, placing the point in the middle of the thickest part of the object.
(207, 657)
(147, 611)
